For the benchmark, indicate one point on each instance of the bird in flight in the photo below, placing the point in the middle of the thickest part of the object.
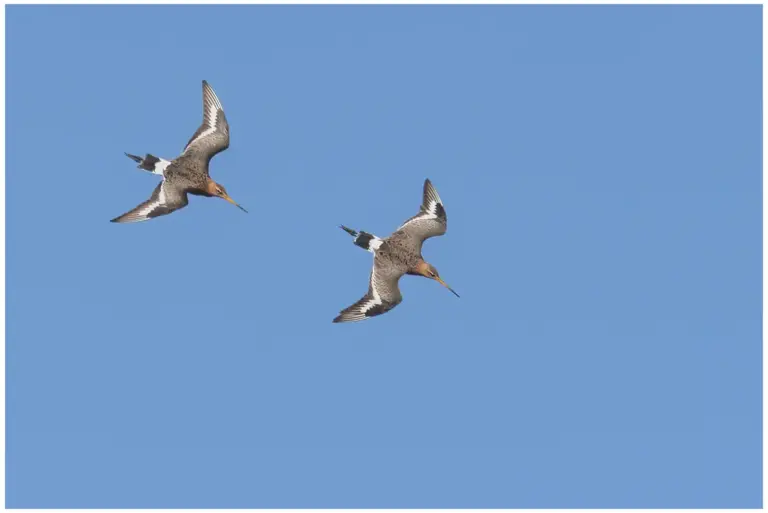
(396, 255)
(187, 173)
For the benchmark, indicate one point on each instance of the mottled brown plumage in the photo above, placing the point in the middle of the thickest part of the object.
(188, 173)
(398, 254)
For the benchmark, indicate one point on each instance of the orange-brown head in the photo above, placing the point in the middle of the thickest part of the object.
(428, 271)
(218, 190)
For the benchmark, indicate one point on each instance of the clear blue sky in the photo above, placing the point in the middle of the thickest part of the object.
(601, 171)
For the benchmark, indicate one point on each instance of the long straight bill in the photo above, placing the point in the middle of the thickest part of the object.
(235, 203)
(446, 286)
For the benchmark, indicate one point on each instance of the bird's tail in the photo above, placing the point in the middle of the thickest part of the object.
(365, 240)
(150, 163)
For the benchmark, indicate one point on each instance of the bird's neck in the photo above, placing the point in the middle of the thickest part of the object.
(419, 269)
(208, 189)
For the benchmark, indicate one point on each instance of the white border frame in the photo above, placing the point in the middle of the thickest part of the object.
(365, 2)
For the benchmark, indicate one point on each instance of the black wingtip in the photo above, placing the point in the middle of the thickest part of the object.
(350, 231)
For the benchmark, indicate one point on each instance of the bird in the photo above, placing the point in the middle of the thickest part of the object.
(187, 173)
(396, 255)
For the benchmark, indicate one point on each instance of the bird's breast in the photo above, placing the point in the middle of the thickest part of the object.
(395, 256)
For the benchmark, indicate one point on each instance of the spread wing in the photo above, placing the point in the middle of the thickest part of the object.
(383, 295)
(164, 200)
(431, 220)
(213, 135)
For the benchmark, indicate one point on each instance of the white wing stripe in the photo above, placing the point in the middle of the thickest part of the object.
(212, 106)
(204, 133)
(153, 205)
(432, 208)
(146, 210)
(419, 217)
(363, 308)
(376, 300)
